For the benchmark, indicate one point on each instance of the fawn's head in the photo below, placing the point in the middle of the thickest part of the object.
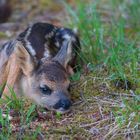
(46, 82)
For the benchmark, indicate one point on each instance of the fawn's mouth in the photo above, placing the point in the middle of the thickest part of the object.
(62, 110)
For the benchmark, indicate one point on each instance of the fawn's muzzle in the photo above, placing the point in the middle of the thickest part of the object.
(63, 103)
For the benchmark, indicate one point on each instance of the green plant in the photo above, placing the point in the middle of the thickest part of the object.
(24, 114)
(91, 30)
(58, 115)
(5, 128)
(128, 115)
(112, 40)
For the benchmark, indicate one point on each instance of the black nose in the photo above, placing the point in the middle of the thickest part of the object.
(65, 104)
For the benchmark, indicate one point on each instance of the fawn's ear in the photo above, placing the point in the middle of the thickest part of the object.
(24, 59)
(65, 54)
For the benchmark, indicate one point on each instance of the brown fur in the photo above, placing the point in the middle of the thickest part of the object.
(26, 75)
(12, 73)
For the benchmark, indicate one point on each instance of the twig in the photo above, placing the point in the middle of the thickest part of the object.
(77, 103)
(100, 110)
(83, 98)
(108, 102)
(112, 130)
(87, 125)
(118, 134)
(123, 94)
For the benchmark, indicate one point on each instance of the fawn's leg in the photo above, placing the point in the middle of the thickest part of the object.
(12, 73)
(3, 69)
(3, 77)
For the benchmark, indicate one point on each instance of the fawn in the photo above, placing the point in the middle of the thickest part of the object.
(38, 63)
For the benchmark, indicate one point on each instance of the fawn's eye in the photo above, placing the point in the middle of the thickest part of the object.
(45, 90)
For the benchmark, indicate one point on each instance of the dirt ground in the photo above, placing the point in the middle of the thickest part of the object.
(94, 96)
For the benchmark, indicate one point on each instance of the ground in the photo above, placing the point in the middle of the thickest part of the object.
(106, 102)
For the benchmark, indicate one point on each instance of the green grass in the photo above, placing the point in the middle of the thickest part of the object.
(110, 37)
(23, 115)
(110, 33)
(129, 113)
(106, 42)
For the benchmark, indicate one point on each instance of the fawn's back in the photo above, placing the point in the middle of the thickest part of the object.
(42, 57)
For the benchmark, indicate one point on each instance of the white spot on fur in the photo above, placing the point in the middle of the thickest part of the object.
(49, 35)
(75, 30)
(62, 29)
(30, 48)
(68, 37)
(57, 44)
(3, 55)
(69, 52)
(46, 52)
(5, 47)
(28, 44)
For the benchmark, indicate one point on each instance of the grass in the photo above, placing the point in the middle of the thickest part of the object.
(129, 113)
(105, 91)
(14, 107)
(109, 32)
(103, 42)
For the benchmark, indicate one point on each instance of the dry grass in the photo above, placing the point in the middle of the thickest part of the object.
(100, 109)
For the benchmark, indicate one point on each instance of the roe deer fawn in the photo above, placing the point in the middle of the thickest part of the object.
(37, 64)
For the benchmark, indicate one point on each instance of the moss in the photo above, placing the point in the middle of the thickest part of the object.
(90, 90)
(3, 35)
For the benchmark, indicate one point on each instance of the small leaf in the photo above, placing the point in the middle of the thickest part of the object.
(58, 115)
(30, 111)
(75, 76)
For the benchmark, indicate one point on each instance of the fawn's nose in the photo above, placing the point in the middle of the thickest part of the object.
(63, 103)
